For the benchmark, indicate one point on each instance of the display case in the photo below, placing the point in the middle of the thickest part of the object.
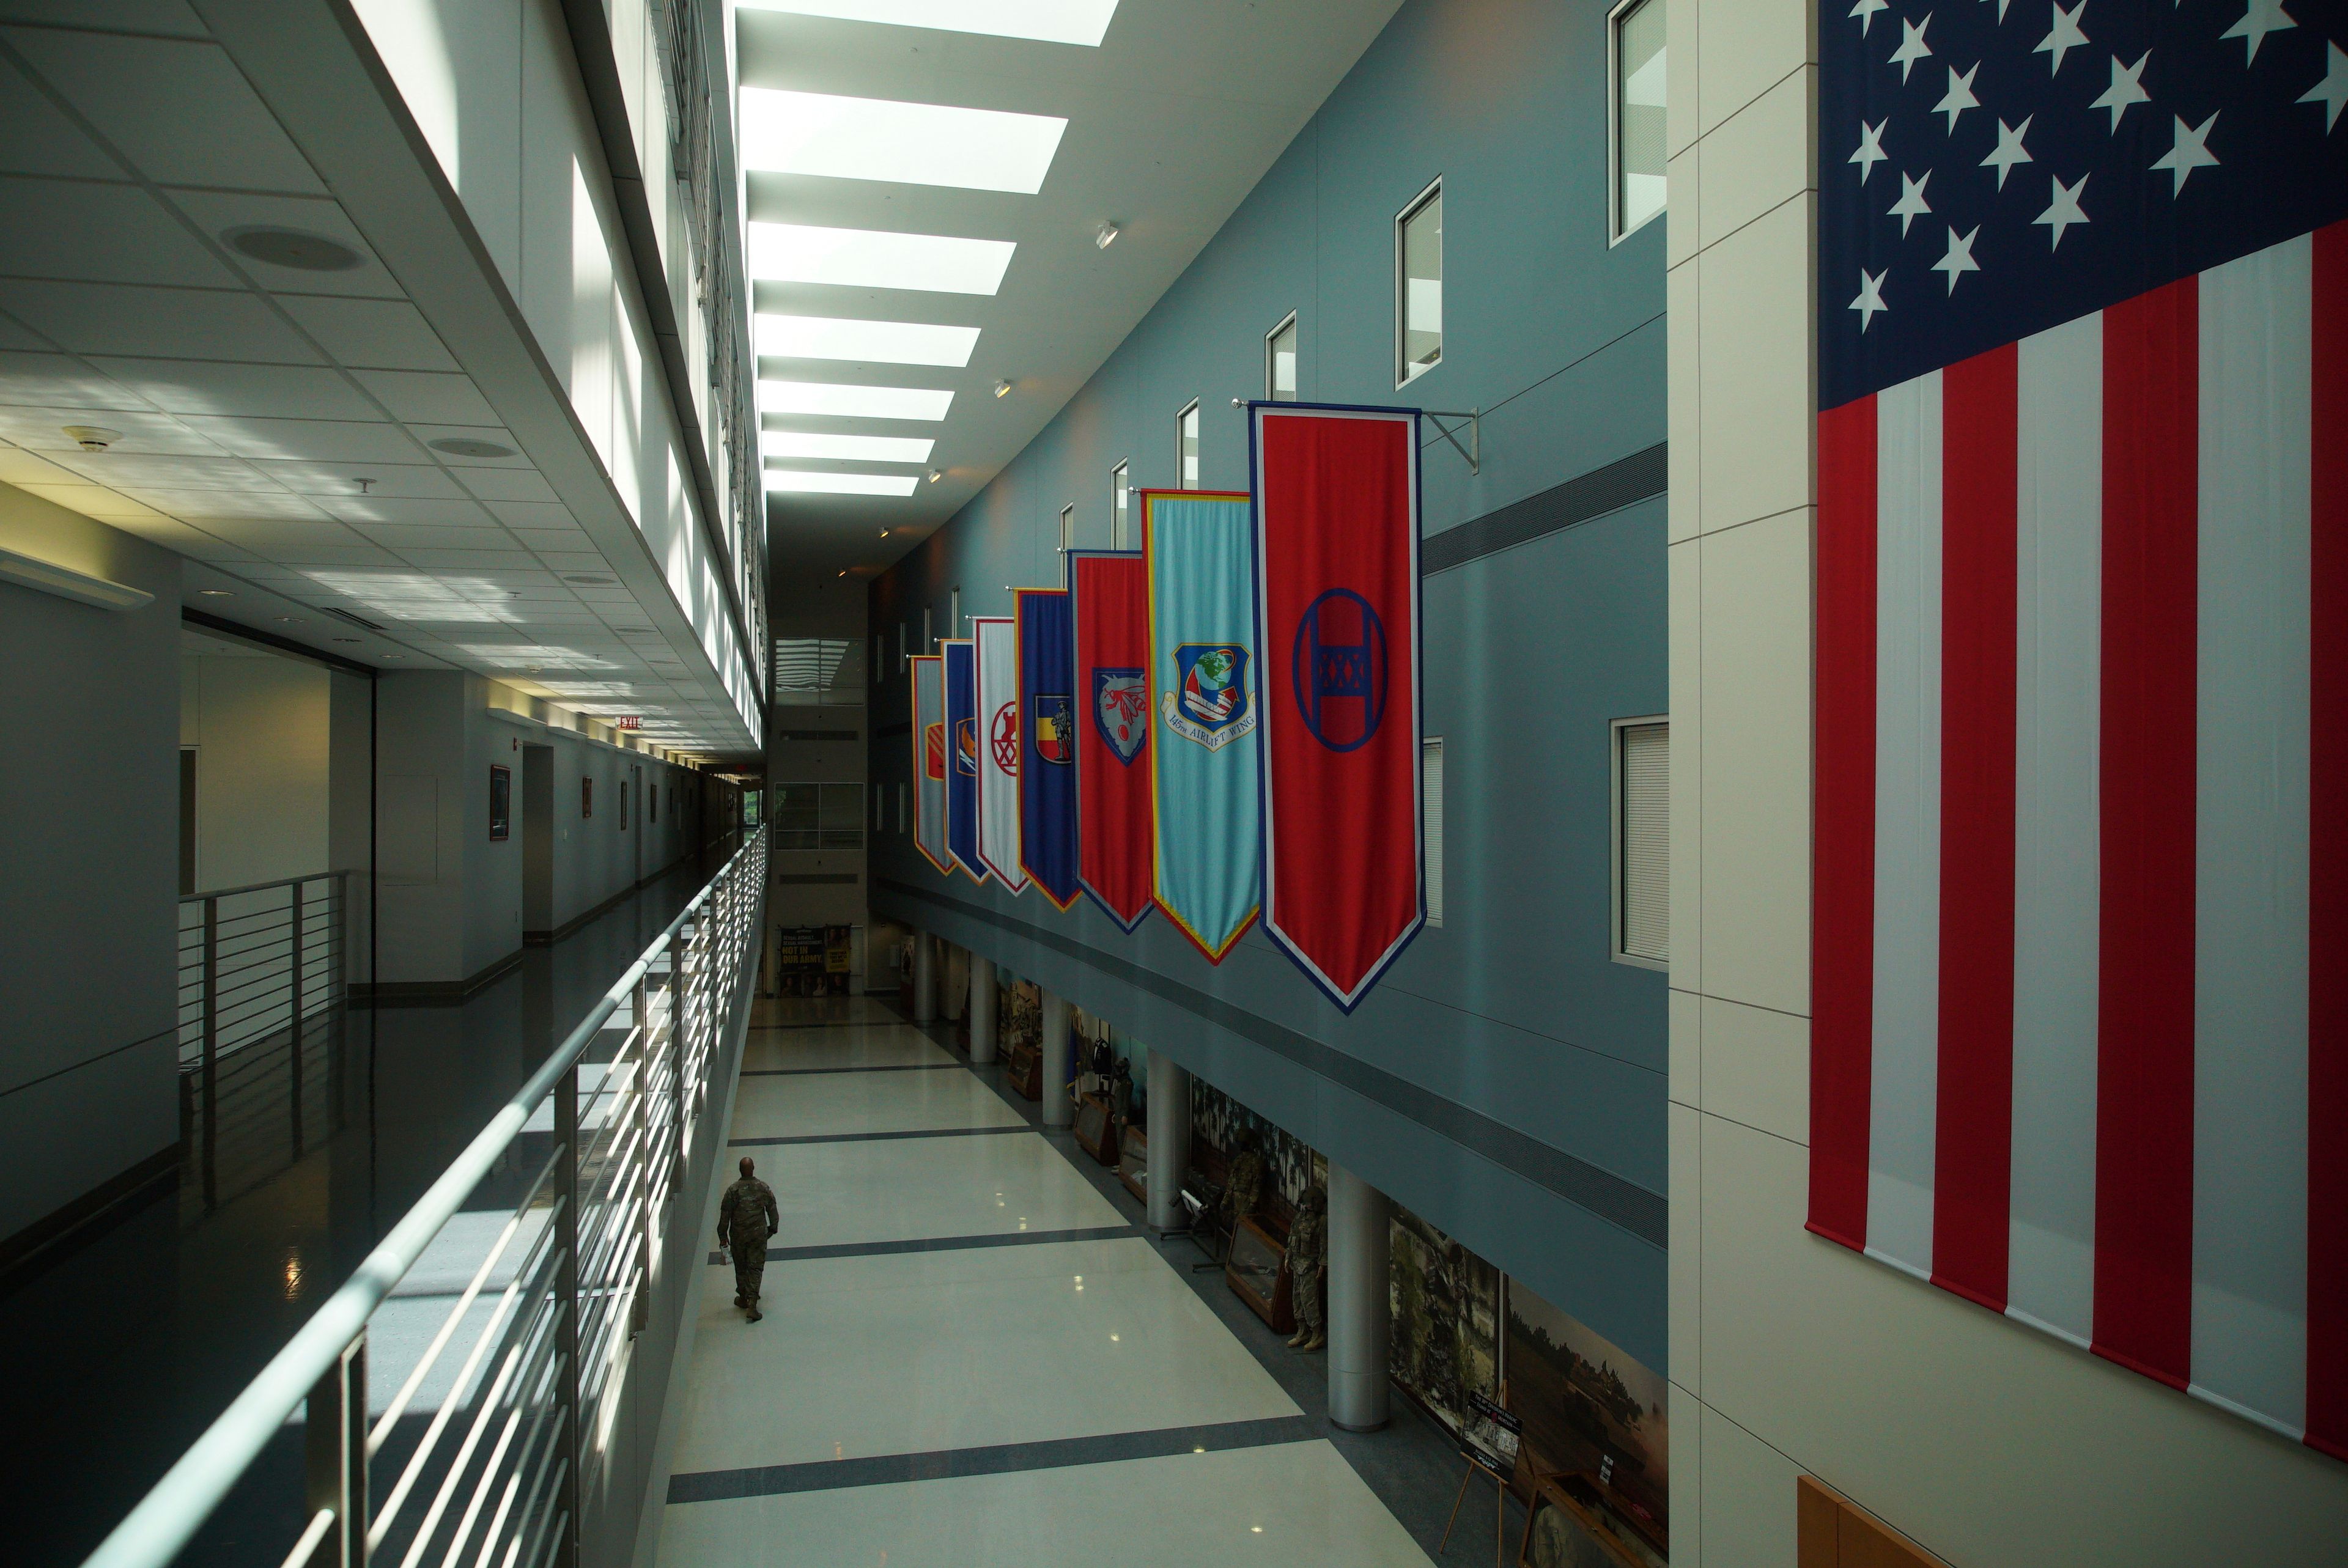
(1023, 1069)
(1133, 1161)
(1257, 1270)
(1095, 1130)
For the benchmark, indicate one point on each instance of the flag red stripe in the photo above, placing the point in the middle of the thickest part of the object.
(2144, 1104)
(1842, 874)
(2327, 848)
(1973, 1141)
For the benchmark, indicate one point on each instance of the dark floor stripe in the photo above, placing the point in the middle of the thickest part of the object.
(808, 1071)
(871, 1137)
(999, 1458)
(837, 1024)
(942, 1244)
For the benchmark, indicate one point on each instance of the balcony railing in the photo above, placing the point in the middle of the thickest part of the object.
(493, 1436)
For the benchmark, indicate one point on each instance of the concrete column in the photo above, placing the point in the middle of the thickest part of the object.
(1169, 1141)
(955, 971)
(983, 999)
(925, 977)
(1360, 1319)
(1059, 1111)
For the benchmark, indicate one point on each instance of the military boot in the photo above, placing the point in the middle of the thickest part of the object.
(1316, 1343)
(1296, 1341)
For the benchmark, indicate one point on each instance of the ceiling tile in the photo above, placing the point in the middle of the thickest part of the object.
(465, 560)
(446, 513)
(404, 539)
(495, 435)
(20, 468)
(414, 395)
(43, 429)
(584, 562)
(389, 479)
(20, 339)
(311, 440)
(143, 470)
(161, 17)
(144, 94)
(101, 233)
(64, 384)
(35, 136)
(374, 335)
(227, 505)
(219, 213)
(182, 324)
(538, 515)
(510, 485)
(208, 386)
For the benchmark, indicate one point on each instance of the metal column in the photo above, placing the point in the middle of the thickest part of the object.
(984, 999)
(1360, 1318)
(925, 977)
(1059, 1111)
(1169, 1141)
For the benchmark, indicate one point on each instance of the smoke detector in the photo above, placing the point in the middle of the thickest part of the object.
(93, 437)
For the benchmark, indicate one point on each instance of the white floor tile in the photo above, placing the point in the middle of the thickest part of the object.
(846, 1045)
(830, 1103)
(908, 1189)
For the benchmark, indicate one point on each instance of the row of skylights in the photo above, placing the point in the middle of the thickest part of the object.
(868, 259)
(846, 448)
(844, 401)
(786, 132)
(1045, 21)
(870, 342)
(807, 482)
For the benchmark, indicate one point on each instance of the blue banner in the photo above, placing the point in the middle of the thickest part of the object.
(1207, 854)
(1047, 740)
(961, 755)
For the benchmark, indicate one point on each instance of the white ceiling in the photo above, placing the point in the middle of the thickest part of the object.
(252, 400)
(1171, 121)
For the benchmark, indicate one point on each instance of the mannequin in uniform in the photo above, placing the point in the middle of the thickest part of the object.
(1308, 1260)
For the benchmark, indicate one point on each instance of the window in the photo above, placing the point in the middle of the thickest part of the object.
(652, 803)
(954, 613)
(817, 817)
(1279, 362)
(811, 671)
(623, 805)
(1120, 506)
(1634, 47)
(1430, 794)
(1067, 527)
(1419, 286)
(1186, 446)
(928, 638)
(1642, 843)
(586, 797)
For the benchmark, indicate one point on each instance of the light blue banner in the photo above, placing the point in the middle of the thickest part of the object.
(1209, 853)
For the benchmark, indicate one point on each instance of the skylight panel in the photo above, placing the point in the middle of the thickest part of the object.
(852, 402)
(802, 481)
(1045, 21)
(846, 448)
(873, 259)
(878, 343)
(787, 132)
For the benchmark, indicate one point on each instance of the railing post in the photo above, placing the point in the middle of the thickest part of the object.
(338, 994)
(334, 1454)
(676, 972)
(211, 1048)
(566, 1285)
(294, 1076)
(642, 1314)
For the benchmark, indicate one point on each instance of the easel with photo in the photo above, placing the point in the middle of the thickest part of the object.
(1497, 1464)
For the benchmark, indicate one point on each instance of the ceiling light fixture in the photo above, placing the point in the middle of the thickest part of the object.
(1107, 235)
(217, 592)
(92, 438)
(800, 481)
(465, 447)
(1045, 21)
(844, 448)
(907, 144)
(292, 248)
(1002, 389)
(878, 343)
(872, 259)
(837, 401)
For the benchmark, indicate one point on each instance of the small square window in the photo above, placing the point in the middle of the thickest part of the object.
(1430, 795)
(1279, 362)
(1186, 446)
(1634, 44)
(1419, 286)
(1120, 506)
(1642, 842)
(1067, 527)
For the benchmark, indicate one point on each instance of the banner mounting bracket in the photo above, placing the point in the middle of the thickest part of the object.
(1473, 418)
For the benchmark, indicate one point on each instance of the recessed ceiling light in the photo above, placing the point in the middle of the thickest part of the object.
(92, 438)
(846, 448)
(346, 639)
(872, 259)
(1106, 238)
(588, 579)
(292, 620)
(909, 144)
(936, 474)
(799, 481)
(852, 402)
(465, 447)
(292, 248)
(1002, 389)
(880, 343)
(1045, 21)
(217, 592)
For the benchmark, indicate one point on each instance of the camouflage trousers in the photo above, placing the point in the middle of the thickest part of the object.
(749, 1268)
(1304, 1296)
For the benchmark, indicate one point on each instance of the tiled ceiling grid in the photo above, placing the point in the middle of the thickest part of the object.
(276, 422)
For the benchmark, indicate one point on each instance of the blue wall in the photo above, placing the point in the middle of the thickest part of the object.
(1507, 1080)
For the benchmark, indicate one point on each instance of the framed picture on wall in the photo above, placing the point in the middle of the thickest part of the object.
(500, 802)
(652, 803)
(586, 797)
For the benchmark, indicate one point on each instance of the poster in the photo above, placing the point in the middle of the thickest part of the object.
(1446, 1345)
(1589, 1408)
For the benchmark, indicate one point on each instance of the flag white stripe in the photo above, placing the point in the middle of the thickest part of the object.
(1905, 1092)
(2058, 528)
(2250, 871)
(998, 791)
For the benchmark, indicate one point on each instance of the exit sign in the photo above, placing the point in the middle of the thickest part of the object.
(627, 721)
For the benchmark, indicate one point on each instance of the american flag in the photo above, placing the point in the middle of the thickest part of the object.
(2080, 961)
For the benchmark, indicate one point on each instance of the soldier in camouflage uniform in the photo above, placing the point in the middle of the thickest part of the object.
(745, 1218)
(1243, 1193)
(1308, 1261)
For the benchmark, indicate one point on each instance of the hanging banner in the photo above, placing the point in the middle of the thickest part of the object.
(960, 667)
(1206, 853)
(1047, 744)
(998, 748)
(1110, 595)
(1336, 515)
(930, 761)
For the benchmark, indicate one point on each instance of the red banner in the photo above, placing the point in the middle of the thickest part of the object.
(1336, 497)
(1112, 723)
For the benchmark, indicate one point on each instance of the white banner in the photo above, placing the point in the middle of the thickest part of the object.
(998, 748)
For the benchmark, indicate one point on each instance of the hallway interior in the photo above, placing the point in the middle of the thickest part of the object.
(974, 1352)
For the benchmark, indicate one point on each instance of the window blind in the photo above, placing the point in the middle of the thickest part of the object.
(1430, 789)
(1645, 854)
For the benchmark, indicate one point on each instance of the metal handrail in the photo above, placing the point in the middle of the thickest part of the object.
(324, 1348)
(199, 898)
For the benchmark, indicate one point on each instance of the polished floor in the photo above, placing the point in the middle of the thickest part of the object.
(974, 1354)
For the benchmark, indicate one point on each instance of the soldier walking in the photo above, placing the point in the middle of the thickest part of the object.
(745, 1218)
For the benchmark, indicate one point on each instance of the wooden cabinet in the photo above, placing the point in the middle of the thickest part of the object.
(1256, 1269)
